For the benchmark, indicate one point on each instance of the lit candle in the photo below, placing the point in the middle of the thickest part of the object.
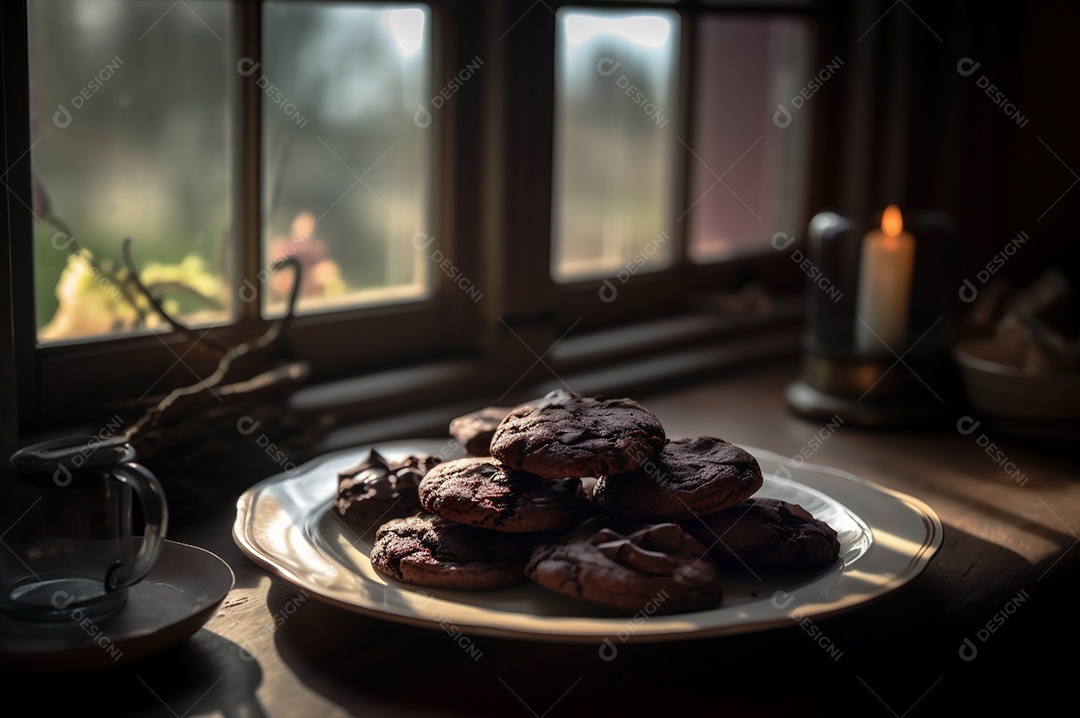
(881, 312)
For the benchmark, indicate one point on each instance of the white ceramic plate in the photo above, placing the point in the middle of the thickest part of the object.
(179, 595)
(284, 524)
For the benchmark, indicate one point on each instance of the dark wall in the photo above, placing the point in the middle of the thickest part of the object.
(905, 125)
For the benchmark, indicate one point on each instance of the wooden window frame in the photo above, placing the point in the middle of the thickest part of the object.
(67, 381)
(492, 211)
(676, 288)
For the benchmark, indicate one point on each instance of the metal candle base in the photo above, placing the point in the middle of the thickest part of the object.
(872, 391)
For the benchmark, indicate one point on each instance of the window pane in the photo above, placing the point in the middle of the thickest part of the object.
(616, 96)
(130, 133)
(348, 166)
(748, 176)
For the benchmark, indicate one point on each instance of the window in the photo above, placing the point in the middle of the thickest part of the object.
(671, 175)
(615, 141)
(142, 150)
(455, 187)
(219, 137)
(749, 175)
(130, 119)
(347, 181)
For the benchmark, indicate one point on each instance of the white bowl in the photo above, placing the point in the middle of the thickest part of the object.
(1031, 404)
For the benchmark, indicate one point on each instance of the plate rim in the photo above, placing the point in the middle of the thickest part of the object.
(919, 560)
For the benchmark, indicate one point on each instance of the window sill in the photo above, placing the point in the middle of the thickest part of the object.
(225, 451)
(420, 400)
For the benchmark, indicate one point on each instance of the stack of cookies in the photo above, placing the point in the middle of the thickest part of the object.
(588, 497)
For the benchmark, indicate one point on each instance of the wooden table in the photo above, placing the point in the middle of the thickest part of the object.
(1005, 580)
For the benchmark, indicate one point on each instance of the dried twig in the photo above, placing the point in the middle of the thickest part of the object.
(175, 398)
(175, 286)
(176, 323)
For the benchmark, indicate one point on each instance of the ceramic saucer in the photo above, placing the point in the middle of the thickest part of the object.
(183, 590)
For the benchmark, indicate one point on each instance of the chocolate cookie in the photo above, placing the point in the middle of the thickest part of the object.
(689, 477)
(377, 490)
(433, 552)
(651, 569)
(477, 492)
(767, 532)
(578, 436)
(474, 431)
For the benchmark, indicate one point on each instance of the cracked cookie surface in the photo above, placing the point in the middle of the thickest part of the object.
(474, 431)
(689, 477)
(632, 568)
(433, 552)
(377, 490)
(478, 492)
(575, 436)
(767, 532)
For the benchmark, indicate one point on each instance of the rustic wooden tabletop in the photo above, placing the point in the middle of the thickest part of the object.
(984, 624)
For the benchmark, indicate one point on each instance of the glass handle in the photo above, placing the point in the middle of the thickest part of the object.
(156, 512)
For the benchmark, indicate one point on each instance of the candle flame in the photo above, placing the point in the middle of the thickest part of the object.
(892, 223)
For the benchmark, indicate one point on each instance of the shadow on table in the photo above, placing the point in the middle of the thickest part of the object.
(882, 658)
(205, 675)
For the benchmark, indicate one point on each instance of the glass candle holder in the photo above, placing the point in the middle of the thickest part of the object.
(876, 349)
